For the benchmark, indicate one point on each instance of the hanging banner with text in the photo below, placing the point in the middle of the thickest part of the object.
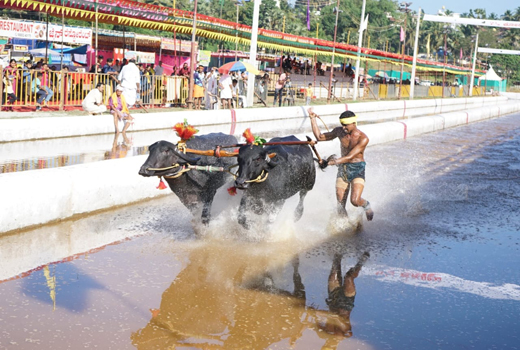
(179, 45)
(38, 31)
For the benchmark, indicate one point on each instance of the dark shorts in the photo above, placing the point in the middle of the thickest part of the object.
(350, 171)
(338, 301)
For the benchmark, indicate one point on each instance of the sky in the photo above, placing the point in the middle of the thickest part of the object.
(460, 6)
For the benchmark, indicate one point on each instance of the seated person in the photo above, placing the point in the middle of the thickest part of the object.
(119, 109)
(36, 87)
(235, 91)
(93, 102)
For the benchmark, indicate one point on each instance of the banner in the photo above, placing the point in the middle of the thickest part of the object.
(141, 57)
(38, 31)
(204, 57)
(180, 45)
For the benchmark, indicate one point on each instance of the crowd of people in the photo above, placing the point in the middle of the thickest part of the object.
(37, 79)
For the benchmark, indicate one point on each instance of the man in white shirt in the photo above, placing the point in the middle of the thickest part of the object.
(130, 79)
(211, 88)
(236, 95)
(226, 95)
(93, 102)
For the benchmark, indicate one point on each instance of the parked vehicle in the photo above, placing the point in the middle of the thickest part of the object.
(425, 83)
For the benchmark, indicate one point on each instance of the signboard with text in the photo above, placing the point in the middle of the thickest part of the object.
(38, 31)
(179, 45)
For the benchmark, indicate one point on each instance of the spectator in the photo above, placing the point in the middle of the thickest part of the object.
(117, 66)
(97, 67)
(211, 88)
(226, 85)
(174, 71)
(198, 87)
(159, 70)
(184, 71)
(308, 95)
(36, 87)
(93, 102)
(150, 69)
(26, 77)
(10, 81)
(109, 69)
(119, 109)
(46, 83)
(130, 79)
(236, 95)
(278, 88)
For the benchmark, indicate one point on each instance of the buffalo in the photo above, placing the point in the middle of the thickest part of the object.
(270, 175)
(194, 188)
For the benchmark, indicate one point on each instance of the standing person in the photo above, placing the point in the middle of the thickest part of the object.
(351, 164)
(226, 86)
(117, 66)
(109, 69)
(236, 95)
(93, 102)
(278, 89)
(159, 70)
(211, 88)
(308, 95)
(119, 109)
(36, 87)
(198, 86)
(98, 66)
(130, 79)
(46, 83)
(184, 71)
(9, 81)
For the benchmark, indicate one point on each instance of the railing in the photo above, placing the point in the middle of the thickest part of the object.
(66, 90)
(63, 90)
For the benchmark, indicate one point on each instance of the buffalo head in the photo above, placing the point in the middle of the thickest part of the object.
(163, 155)
(253, 161)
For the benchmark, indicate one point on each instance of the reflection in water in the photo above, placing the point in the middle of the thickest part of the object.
(341, 296)
(51, 283)
(224, 299)
(119, 150)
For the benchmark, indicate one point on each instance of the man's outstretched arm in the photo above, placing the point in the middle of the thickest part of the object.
(316, 130)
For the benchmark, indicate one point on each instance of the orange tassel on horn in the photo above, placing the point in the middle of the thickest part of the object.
(248, 135)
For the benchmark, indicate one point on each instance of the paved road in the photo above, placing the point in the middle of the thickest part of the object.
(441, 270)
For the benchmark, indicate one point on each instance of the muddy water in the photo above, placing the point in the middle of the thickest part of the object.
(436, 269)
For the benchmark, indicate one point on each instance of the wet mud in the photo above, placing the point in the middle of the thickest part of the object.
(436, 269)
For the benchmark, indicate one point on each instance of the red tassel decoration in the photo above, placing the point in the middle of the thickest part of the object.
(232, 191)
(248, 135)
(185, 131)
(161, 186)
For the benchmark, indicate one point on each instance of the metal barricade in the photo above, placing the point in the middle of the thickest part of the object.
(174, 90)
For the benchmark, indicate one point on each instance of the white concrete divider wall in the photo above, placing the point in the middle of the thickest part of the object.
(37, 197)
(19, 129)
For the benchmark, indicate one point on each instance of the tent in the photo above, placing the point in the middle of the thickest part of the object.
(41, 52)
(54, 56)
(491, 80)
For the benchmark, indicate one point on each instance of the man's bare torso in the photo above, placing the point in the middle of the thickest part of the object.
(349, 141)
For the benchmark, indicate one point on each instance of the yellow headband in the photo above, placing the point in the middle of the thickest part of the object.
(349, 120)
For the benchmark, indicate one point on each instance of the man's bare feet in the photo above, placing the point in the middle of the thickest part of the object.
(370, 214)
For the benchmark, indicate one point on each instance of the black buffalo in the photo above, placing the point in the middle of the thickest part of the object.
(290, 171)
(194, 188)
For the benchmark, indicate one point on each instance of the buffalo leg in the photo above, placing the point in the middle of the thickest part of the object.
(298, 212)
(242, 212)
(274, 210)
(206, 208)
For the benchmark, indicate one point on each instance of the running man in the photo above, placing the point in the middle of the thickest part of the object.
(351, 165)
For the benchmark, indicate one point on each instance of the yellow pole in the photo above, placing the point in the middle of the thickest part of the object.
(283, 26)
(348, 38)
(368, 46)
(317, 28)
